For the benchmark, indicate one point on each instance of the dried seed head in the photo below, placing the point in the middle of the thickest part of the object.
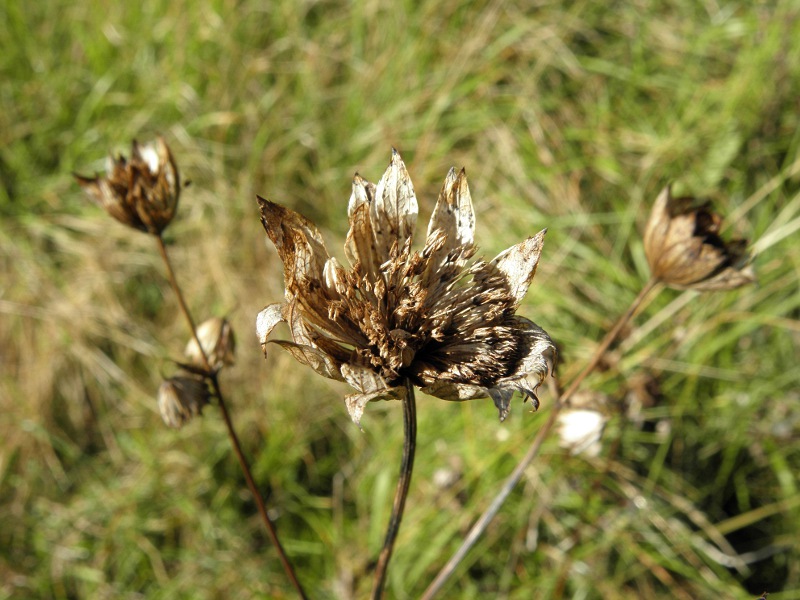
(218, 342)
(435, 317)
(141, 192)
(684, 249)
(579, 430)
(180, 398)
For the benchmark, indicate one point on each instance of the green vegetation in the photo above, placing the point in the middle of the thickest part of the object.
(566, 115)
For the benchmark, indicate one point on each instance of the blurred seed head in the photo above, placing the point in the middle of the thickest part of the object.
(142, 192)
(684, 249)
(218, 342)
(181, 398)
(579, 430)
(434, 317)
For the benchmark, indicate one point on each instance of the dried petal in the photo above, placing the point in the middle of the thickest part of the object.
(453, 213)
(371, 387)
(518, 264)
(313, 357)
(299, 244)
(453, 220)
(394, 210)
(360, 247)
(267, 319)
(447, 390)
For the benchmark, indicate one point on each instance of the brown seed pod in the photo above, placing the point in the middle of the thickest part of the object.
(142, 192)
(684, 249)
(181, 398)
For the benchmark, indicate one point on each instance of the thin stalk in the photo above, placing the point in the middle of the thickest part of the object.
(401, 492)
(237, 448)
(510, 483)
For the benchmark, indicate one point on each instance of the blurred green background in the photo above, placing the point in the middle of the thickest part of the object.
(566, 115)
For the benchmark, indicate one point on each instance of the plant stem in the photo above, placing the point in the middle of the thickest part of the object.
(237, 448)
(480, 525)
(401, 492)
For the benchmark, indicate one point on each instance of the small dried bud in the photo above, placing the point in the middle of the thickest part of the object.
(218, 342)
(579, 430)
(141, 192)
(684, 250)
(181, 398)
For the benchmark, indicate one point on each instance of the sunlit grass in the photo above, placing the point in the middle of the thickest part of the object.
(570, 116)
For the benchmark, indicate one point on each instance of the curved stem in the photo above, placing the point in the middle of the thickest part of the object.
(403, 482)
(237, 448)
(480, 525)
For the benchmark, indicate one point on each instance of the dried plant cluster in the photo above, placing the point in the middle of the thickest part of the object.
(435, 317)
(183, 396)
(142, 193)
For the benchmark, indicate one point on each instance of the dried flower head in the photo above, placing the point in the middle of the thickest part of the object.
(433, 317)
(685, 251)
(180, 398)
(141, 192)
(218, 342)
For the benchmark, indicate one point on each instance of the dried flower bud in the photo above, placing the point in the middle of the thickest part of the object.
(217, 340)
(684, 250)
(579, 430)
(181, 398)
(141, 192)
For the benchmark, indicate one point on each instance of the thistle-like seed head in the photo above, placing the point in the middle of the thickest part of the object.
(218, 342)
(684, 249)
(435, 317)
(141, 192)
(181, 398)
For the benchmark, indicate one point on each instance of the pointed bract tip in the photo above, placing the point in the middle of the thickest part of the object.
(530, 395)
(265, 204)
